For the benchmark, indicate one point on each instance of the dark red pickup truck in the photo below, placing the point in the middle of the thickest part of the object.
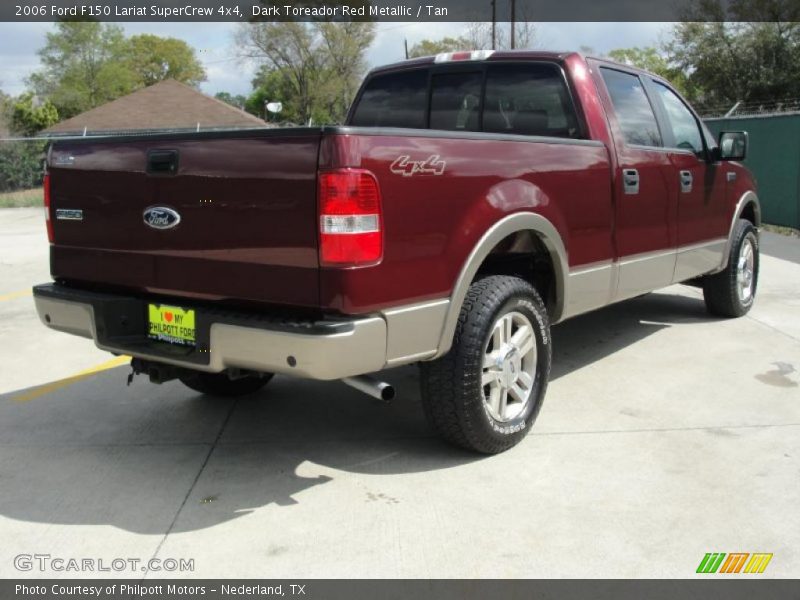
(472, 200)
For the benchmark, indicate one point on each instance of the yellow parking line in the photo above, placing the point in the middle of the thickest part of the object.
(17, 294)
(56, 385)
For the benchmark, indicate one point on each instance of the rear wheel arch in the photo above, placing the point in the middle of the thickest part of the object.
(539, 238)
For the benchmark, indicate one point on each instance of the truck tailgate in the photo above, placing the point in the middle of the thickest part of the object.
(246, 203)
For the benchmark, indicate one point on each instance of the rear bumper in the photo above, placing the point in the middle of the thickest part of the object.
(328, 349)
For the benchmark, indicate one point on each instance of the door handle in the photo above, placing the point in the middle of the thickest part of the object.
(630, 181)
(686, 181)
(162, 162)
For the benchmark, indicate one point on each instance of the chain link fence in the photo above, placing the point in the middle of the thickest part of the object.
(750, 109)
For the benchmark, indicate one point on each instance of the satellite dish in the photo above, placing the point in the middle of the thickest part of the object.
(275, 107)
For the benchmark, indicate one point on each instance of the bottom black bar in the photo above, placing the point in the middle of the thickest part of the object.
(730, 588)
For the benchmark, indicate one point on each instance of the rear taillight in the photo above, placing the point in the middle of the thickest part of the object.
(47, 218)
(350, 220)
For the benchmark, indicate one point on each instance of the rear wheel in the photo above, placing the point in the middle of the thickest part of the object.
(732, 291)
(219, 384)
(485, 394)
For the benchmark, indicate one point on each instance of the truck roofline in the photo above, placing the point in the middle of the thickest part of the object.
(497, 55)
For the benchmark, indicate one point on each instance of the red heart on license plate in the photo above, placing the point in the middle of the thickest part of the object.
(168, 317)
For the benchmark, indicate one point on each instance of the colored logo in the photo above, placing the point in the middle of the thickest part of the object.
(735, 562)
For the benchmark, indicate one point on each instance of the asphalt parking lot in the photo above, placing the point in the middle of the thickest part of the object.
(665, 434)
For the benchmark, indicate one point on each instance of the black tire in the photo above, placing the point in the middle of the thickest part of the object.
(453, 396)
(721, 290)
(219, 384)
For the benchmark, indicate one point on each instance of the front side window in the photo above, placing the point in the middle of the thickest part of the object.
(456, 101)
(528, 99)
(685, 131)
(634, 113)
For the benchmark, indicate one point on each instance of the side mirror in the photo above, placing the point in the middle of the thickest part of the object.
(732, 145)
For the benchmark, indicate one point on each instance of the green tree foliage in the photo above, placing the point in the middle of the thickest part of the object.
(432, 47)
(5, 114)
(343, 46)
(21, 161)
(153, 59)
(21, 165)
(650, 59)
(83, 66)
(28, 117)
(88, 64)
(321, 64)
(717, 56)
(729, 62)
(238, 100)
(271, 86)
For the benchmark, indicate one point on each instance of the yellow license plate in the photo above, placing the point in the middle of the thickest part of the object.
(170, 324)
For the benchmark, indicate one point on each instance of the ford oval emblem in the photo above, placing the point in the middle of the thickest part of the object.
(161, 217)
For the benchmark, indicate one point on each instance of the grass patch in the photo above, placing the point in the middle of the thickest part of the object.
(781, 230)
(22, 198)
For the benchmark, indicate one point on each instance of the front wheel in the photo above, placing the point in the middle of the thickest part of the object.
(732, 291)
(485, 394)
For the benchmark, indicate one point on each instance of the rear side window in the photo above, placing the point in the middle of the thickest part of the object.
(528, 99)
(394, 100)
(634, 113)
(456, 101)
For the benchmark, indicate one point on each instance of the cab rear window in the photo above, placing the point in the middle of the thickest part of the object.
(521, 99)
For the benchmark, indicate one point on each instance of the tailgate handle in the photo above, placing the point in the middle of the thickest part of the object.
(162, 161)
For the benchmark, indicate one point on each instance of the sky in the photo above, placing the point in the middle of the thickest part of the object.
(215, 49)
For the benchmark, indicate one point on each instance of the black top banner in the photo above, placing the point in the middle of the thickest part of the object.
(394, 10)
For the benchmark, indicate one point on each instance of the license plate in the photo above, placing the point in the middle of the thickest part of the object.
(170, 324)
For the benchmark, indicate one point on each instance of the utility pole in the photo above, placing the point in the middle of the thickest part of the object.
(494, 24)
(513, 23)
(405, 42)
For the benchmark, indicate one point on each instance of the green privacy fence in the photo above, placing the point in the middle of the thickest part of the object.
(773, 155)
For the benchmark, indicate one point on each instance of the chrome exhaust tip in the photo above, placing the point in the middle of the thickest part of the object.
(372, 387)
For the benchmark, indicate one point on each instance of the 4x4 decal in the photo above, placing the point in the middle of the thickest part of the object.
(403, 165)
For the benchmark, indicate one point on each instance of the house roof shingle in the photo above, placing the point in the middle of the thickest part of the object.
(164, 105)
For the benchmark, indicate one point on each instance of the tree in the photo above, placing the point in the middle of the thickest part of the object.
(479, 34)
(344, 47)
(432, 47)
(83, 66)
(320, 62)
(271, 86)
(152, 59)
(29, 117)
(88, 64)
(238, 100)
(755, 56)
(5, 114)
(650, 59)
(21, 165)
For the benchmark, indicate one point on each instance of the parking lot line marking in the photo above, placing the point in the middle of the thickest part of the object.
(56, 385)
(17, 294)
